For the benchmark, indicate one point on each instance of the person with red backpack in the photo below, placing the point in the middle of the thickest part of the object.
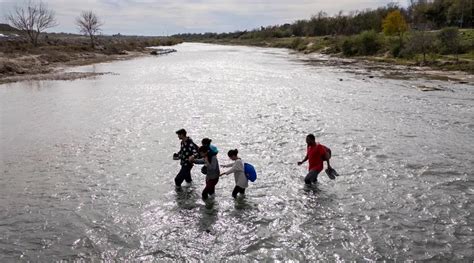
(316, 153)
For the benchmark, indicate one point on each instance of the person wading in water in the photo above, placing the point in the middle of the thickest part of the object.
(316, 154)
(188, 149)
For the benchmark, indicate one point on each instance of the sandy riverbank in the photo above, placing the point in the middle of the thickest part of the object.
(369, 68)
(43, 67)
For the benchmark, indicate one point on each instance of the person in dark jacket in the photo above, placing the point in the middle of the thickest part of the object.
(188, 149)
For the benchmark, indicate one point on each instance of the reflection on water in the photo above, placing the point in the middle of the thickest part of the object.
(87, 170)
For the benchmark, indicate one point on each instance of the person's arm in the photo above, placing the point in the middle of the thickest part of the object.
(231, 170)
(194, 150)
(327, 156)
(227, 165)
(197, 161)
(237, 165)
(304, 160)
(329, 166)
(180, 152)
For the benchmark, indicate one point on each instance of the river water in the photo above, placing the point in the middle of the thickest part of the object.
(87, 171)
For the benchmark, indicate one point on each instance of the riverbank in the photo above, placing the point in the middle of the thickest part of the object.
(39, 67)
(19, 61)
(370, 68)
(334, 46)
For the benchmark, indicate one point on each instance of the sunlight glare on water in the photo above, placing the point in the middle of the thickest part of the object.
(88, 173)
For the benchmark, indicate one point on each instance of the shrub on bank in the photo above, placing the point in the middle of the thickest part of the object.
(349, 47)
(449, 40)
(419, 43)
(299, 44)
(364, 44)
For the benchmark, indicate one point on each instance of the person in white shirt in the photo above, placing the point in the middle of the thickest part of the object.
(241, 181)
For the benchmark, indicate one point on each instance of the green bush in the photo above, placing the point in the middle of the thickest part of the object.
(298, 44)
(449, 40)
(397, 50)
(366, 43)
(349, 47)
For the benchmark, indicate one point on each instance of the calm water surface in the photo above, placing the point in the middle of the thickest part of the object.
(87, 171)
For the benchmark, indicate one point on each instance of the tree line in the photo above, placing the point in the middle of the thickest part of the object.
(420, 14)
(35, 17)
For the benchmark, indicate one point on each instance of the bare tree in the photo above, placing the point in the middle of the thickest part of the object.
(421, 42)
(32, 19)
(89, 24)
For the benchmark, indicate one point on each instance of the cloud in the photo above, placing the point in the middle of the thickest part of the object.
(157, 17)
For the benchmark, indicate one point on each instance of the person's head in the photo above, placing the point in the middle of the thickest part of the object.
(181, 134)
(310, 139)
(203, 151)
(206, 142)
(233, 154)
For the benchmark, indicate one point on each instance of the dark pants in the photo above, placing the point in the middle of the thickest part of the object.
(237, 190)
(210, 188)
(311, 177)
(183, 175)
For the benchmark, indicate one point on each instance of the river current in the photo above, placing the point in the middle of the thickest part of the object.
(87, 169)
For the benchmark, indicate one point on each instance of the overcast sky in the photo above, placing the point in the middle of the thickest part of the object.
(166, 17)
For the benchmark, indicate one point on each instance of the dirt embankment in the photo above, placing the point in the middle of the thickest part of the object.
(50, 66)
(19, 60)
(370, 68)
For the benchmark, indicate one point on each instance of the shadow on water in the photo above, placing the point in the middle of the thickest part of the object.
(186, 197)
(310, 190)
(241, 203)
(208, 216)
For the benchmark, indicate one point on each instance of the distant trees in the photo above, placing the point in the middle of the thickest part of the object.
(426, 14)
(90, 25)
(460, 13)
(33, 19)
(442, 13)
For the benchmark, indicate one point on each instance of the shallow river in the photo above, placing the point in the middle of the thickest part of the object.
(87, 171)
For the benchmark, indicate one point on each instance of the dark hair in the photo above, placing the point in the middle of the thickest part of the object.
(203, 149)
(206, 141)
(311, 136)
(232, 152)
(181, 132)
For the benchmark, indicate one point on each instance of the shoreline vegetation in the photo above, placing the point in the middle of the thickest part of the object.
(436, 35)
(324, 51)
(20, 60)
(333, 46)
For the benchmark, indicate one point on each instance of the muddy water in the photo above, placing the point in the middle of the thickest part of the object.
(87, 170)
